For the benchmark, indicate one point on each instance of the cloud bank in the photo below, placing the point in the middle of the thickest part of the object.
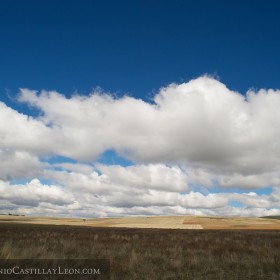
(197, 148)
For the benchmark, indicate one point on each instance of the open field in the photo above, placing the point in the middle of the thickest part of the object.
(151, 253)
(170, 222)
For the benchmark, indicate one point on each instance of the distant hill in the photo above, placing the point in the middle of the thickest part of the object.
(271, 217)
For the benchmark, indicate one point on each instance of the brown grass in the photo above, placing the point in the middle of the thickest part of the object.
(151, 253)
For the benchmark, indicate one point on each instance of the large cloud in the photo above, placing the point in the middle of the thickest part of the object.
(189, 140)
(199, 123)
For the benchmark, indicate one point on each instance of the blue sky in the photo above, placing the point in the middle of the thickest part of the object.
(136, 47)
(96, 138)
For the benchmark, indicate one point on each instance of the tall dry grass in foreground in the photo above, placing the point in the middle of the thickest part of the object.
(152, 253)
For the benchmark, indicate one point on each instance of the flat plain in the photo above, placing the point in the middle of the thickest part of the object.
(195, 248)
(160, 222)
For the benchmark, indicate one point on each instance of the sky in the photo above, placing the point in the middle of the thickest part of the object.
(120, 108)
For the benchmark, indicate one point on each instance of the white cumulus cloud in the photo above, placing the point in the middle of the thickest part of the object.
(190, 139)
(200, 123)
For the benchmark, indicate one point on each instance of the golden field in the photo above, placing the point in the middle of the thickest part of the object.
(157, 222)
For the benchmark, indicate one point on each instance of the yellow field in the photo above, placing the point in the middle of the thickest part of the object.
(168, 222)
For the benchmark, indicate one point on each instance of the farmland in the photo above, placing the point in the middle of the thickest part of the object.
(150, 253)
(159, 222)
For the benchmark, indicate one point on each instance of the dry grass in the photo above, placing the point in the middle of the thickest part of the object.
(151, 253)
(234, 223)
(171, 222)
